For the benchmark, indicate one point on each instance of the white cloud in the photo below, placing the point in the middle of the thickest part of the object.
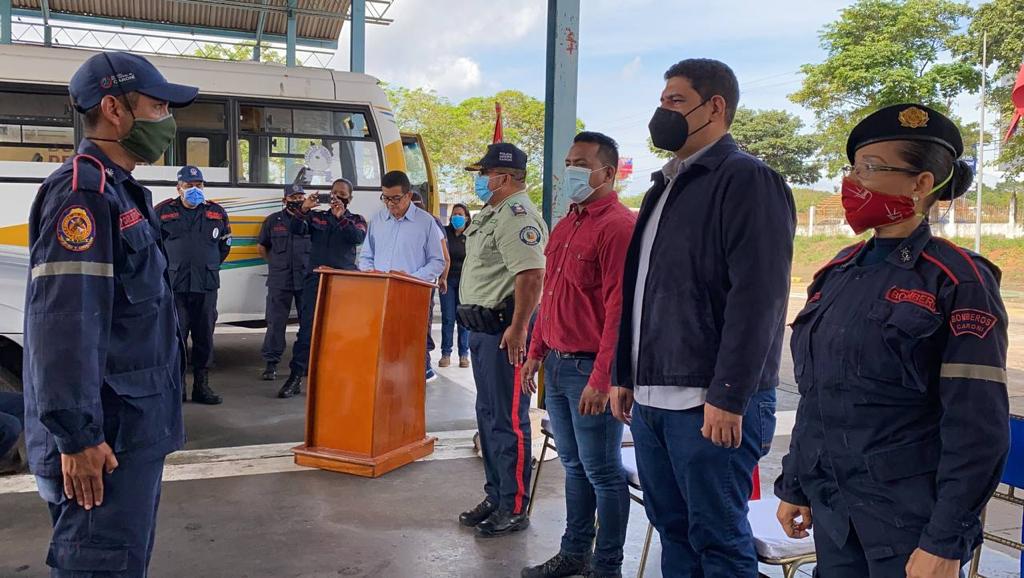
(448, 75)
(631, 69)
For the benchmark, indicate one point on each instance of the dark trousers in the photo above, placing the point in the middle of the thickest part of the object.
(503, 420)
(279, 307)
(112, 540)
(696, 493)
(197, 316)
(850, 561)
(449, 304)
(590, 448)
(12, 420)
(300, 351)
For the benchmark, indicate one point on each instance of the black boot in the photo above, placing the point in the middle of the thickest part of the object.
(557, 567)
(270, 373)
(201, 392)
(477, 514)
(291, 388)
(500, 523)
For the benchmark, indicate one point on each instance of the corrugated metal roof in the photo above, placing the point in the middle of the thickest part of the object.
(314, 19)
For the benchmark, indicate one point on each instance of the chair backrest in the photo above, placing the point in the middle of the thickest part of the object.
(1013, 475)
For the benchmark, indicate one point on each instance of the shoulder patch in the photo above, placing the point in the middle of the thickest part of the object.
(972, 322)
(843, 256)
(76, 229)
(517, 208)
(130, 218)
(530, 235)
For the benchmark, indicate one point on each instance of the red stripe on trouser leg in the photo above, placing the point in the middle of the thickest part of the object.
(756, 494)
(520, 445)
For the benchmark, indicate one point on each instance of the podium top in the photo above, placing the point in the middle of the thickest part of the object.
(397, 275)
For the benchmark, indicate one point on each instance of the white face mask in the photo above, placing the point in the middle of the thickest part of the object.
(577, 183)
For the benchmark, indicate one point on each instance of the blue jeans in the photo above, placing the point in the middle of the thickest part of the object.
(12, 418)
(696, 493)
(449, 304)
(590, 448)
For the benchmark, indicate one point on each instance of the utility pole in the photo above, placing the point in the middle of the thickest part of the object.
(981, 144)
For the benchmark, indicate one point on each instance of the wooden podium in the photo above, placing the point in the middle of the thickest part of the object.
(365, 401)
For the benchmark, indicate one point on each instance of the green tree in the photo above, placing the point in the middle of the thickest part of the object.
(775, 137)
(1002, 20)
(883, 52)
(239, 52)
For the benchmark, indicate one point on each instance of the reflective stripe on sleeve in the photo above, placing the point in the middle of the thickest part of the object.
(968, 371)
(73, 268)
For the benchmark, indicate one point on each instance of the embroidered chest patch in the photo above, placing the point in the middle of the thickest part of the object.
(915, 296)
(130, 218)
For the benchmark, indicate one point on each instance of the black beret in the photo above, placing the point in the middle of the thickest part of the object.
(906, 122)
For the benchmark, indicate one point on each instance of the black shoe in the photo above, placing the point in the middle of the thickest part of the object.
(591, 573)
(558, 566)
(500, 523)
(270, 373)
(201, 391)
(477, 514)
(291, 387)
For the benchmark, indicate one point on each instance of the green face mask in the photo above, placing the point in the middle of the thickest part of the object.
(148, 139)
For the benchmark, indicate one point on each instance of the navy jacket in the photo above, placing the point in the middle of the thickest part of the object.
(197, 241)
(334, 241)
(903, 422)
(288, 253)
(102, 355)
(718, 284)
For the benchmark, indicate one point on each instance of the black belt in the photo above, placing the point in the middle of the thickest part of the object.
(574, 355)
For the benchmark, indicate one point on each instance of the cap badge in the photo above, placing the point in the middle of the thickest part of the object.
(505, 157)
(913, 117)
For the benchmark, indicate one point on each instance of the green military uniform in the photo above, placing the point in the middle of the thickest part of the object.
(501, 242)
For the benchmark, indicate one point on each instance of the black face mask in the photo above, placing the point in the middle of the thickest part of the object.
(293, 206)
(670, 130)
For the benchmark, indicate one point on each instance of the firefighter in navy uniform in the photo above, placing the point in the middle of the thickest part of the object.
(334, 235)
(900, 356)
(103, 355)
(197, 236)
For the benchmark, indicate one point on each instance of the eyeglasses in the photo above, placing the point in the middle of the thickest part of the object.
(392, 199)
(867, 169)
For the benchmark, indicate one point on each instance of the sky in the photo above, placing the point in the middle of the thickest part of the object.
(463, 48)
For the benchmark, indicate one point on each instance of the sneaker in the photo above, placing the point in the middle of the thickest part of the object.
(500, 523)
(557, 567)
(445, 361)
(478, 514)
(431, 376)
(463, 362)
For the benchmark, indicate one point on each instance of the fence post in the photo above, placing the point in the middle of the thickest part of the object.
(1012, 221)
(810, 221)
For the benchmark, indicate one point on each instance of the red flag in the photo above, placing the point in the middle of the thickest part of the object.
(1018, 102)
(499, 135)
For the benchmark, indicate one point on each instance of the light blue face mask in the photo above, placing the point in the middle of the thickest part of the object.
(458, 221)
(194, 196)
(577, 183)
(480, 187)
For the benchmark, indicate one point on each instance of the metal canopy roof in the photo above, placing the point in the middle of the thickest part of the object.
(316, 20)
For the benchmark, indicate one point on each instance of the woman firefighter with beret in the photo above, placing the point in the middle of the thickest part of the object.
(900, 357)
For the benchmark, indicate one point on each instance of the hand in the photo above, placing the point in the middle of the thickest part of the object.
(83, 474)
(442, 285)
(338, 209)
(528, 376)
(309, 202)
(925, 565)
(513, 341)
(787, 515)
(724, 429)
(622, 404)
(593, 402)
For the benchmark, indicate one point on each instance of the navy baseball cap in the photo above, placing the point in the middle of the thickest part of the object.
(500, 155)
(290, 190)
(190, 174)
(117, 73)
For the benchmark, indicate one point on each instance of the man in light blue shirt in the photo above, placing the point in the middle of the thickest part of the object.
(403, 238)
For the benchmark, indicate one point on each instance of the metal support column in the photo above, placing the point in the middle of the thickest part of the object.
(44, 8)
(559, 102)
(290, 51)
(6, 16)
(357, 52)
(260, 25)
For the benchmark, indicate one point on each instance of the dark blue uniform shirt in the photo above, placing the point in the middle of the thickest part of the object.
(102, 350)
(902, 427)
(288, 253)
(197, 241)
(334, 241)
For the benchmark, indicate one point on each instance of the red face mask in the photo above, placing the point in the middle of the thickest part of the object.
(867, 209)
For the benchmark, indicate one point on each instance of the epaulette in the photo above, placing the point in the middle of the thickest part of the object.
(164, 203)
(957, 263)
(843, 256)
(88, 174)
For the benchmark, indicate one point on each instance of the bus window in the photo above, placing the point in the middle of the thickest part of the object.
(274, 143)
(416, 167)
(202, 140)
(34, 128)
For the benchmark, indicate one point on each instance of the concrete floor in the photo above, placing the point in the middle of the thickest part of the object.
(266, 517)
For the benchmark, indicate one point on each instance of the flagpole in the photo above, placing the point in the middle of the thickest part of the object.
(981, 144)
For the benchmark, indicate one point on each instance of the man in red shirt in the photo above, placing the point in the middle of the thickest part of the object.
(574, 336)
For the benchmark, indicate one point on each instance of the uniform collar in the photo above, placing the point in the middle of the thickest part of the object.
(905, 256)
(596, 208)
(115, 173)
(513, 197)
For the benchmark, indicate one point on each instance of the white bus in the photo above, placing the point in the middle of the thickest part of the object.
(252, 128)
